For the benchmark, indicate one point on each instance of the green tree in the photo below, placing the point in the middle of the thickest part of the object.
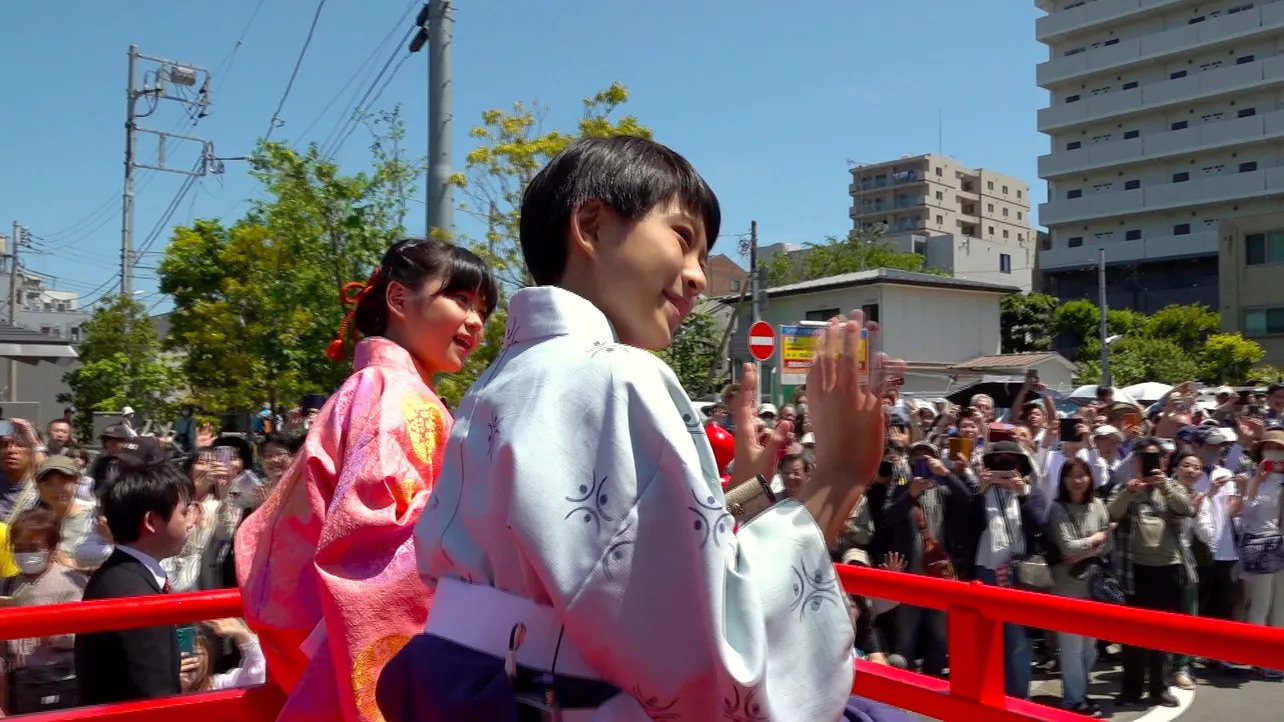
(1134, 359)
(1079, 319)
(1187, 325)
(1026, 322)
(1124, 322)
(694, 348)
(121, 364)
(1265, 375)
(257, 303)
(1228, 358)
(513, 147)
(857, 251)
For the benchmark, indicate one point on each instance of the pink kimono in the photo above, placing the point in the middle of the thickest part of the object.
(327, 565)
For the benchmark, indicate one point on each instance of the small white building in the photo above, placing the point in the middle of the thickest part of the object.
(932, 322)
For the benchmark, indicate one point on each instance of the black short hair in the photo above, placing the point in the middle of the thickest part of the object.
(141, 488)
(291, 440)
(414, 262)
(630, 174)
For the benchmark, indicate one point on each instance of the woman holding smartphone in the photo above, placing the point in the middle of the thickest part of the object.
(1153, 567)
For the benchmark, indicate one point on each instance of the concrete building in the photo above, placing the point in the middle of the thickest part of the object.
(1165, 118)
(934, 195)
(723, 276)
(971, 259)
(51, 312)
(930, 320)
(1251, 272)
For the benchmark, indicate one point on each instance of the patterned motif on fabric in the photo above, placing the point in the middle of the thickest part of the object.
(601, 347)
(743, 706)
(656, 708)
(619, 553)
(366, 669)
(815, 588)
(425, 429)
(590, 503)
(712, 521)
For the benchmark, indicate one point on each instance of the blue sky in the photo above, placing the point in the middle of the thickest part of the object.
(768, 99)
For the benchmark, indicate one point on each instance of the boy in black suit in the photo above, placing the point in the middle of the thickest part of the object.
(146, 500)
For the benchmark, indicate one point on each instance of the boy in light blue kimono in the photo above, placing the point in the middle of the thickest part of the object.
(578, 541)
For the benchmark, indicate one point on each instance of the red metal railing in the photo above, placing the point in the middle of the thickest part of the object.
(973, 692)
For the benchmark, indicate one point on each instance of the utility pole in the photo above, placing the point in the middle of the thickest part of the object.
(156, 84)
(436, 23)
(756, 306)
(1104, 327)
(15, 240)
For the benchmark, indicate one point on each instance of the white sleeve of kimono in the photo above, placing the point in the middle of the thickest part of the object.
(657, 591)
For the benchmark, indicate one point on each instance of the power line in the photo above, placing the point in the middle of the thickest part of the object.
(225, 66)
(298, 63)
(360, 112)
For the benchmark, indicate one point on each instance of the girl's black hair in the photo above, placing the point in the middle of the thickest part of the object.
(630, 174)
(415, 262)
(1063, 494)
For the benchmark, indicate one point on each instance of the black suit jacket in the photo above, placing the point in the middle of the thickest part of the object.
(130, 664)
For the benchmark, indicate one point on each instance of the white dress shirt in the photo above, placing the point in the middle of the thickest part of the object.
(153, 566)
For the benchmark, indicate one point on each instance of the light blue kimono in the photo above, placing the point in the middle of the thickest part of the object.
(578, 476)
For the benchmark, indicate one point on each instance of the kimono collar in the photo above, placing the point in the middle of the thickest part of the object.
(545, 311)
(379, 351)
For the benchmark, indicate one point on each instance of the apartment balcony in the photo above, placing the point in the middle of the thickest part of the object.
(1200, 139)
(1157, 96)
(1130, 52)
(1094, 14)
(1195, 192)
(1190, 245)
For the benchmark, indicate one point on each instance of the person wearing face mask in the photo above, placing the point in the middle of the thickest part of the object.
(1262, 518)
(40, 672)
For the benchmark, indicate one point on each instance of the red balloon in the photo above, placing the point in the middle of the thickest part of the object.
(723, 443)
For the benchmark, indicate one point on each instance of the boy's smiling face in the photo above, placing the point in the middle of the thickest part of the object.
(645, 275)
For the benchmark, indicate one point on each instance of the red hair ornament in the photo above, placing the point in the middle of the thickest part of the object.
(352, 293)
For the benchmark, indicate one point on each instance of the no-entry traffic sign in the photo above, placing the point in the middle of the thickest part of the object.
(762, 340)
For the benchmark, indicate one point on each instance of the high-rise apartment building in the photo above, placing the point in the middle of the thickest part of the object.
(1166, 117)
(933, 194)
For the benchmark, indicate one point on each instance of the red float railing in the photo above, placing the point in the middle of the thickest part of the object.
(974, 690)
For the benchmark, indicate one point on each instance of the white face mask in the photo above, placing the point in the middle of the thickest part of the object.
(31, 563)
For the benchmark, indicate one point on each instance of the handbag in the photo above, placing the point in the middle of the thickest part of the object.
(1103, 585)
(936, 560)
(1030, 571)
(42, 688)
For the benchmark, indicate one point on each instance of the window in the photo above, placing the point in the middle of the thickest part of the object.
(990, 230)
(1133, 235)
(1263, 321)
(1194, 20)
(1072, 99)
(1074, 193)
(939, 220)
(940, 196)
(1263, 248)
(1018, 194)
(1019, 215)
(1181, 177)
(1181, 229)
(1178, 74)
(1005, 233)
(1244, 59)
(1111, 41)
(46, 330)
(1074, 145)
(1130, 86)
(989, 207)
(870, 310)
(822, 315)
(1131, 134)
(1248, 167)
(1179, 125)
(1246, 113)
(989, 185)
(1020, 238)
(1005, 211)
(1005, 263)
(1075, 242)
(1005, 190)
(1132, 185)
(938, 172)
(75, 333)
(735, 284)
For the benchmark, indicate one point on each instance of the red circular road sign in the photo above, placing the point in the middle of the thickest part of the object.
(762, 340)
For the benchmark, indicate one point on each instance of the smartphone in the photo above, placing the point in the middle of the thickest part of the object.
(187, 641)
(1131, 418)
(1150, 461)
(885, 470)
(1000, 462)
(920, 469)
(224, 455)
(960, 445)
(1070, 430)
(1002, 432)
(1032, 375)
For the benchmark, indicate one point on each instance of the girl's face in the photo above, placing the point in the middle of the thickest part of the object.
(441, 330)
(276, 460)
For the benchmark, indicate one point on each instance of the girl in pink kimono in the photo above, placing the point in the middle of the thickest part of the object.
(327, 565)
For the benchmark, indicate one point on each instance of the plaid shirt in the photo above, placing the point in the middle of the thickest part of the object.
(1121, 559)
